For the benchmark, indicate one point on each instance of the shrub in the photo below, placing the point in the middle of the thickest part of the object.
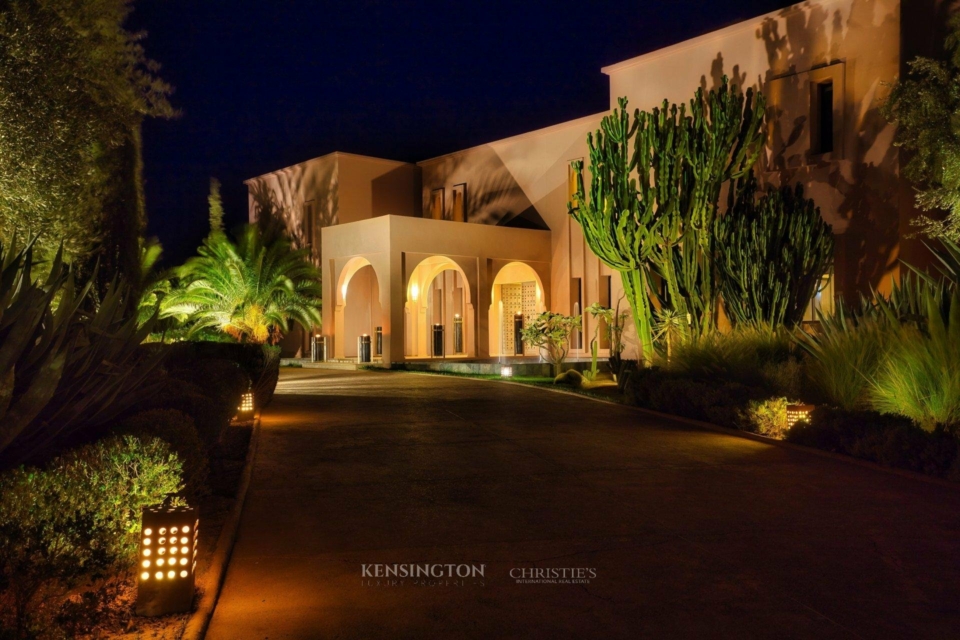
(768, 417)
(550, 333)
(78, 517)
(844, 356)
(210, 417)
(739, 356)
(176, 429)
(893, 441)
(920, 376)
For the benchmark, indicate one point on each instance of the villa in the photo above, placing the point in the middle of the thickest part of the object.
(448, 256)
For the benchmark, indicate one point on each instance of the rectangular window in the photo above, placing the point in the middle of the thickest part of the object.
(458, 205)
(824, 120)
(572, 182)
(823, 299)
(436, 204)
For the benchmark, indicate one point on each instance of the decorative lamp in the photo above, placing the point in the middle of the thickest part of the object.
(798, 412)
(506, 371)
(245, 410)
(166, 571)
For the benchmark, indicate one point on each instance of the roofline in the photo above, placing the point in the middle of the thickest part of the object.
(520, 136)
(326, 155)
(709, 36)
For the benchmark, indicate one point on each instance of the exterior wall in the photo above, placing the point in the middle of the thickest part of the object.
(522, 182)
(784, 53)
(333, 189)
(394, 246)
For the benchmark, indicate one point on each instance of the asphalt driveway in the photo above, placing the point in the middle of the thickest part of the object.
(668, 531)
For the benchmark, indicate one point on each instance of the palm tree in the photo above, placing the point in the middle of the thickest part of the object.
(250, 290)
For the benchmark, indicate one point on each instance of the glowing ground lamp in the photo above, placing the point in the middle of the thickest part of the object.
(798, 412)
(506, 371)
(245, 410)
(168, 560)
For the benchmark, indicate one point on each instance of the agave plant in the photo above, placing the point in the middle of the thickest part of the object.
(65, 363)
(250, 290)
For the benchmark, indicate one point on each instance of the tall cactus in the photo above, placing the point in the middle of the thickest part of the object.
(651, 210)
(773, 251)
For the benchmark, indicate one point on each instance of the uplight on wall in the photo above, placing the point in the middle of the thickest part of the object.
(506, 371)
(414, 292)
(798, 412)
(166, 575)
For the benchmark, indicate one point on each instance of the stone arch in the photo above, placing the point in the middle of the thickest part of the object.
(500, 318)
(438, 291)
(358, 306)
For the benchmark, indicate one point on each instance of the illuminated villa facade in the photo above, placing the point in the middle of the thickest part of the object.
(463, 243)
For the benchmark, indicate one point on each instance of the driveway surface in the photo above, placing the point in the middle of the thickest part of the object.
(681, 532)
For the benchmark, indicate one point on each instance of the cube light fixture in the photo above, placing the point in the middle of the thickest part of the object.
(166, 571)
(506, 371)
(245, 410)
(798, 412)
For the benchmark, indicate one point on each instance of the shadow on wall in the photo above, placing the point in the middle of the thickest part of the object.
(493, 195)
(397, 192)
(863, 182)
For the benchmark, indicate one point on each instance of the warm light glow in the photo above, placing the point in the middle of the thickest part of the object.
(173, 530)
(246, 402)
(183, 561)
(184, 549)
(414, 291)
(186, 529)
(145, 575)
(183, 540)
(163, 530)
(158, 575)
(343, 291)
(163, 541)
(183, 574)
(146, 552)
(171, 574)
(146, 564)
(148, 532)
(161, 551)
(173, 551)
(146, 541)
(798, 412)
(506, 372)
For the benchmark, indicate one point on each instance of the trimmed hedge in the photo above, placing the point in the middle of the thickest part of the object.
(892, 441)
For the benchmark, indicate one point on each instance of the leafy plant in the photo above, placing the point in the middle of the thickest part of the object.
(249, 291)
(844, 357)
(924, 105)
(179, 432)
(919, 377)
(611, 321)
(78, 517)
(773, 250)
(550, 332)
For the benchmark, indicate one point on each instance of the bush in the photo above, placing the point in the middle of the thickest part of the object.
(768, 417)
(893, 441)
(920, 376)
(844, 357)
(742, 356)
(261, 363)
(77, 518)
(176, 429)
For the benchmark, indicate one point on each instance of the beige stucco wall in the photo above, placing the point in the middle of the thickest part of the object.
(394, 246)
(854, 42)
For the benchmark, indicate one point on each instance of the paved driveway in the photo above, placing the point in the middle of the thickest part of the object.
(689, 533)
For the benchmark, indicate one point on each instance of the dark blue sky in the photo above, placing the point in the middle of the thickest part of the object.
(268, 83)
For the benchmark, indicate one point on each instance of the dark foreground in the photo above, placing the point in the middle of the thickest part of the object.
(689, 533)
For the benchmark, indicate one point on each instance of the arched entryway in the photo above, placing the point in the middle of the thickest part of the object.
(358, 310)
(516, 298)
(439, 320)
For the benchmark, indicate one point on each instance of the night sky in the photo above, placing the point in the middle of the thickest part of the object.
(265, 84)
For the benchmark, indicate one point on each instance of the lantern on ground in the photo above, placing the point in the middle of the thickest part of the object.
(506, 371)
(245, 410)
(798, 412)
(166, 566)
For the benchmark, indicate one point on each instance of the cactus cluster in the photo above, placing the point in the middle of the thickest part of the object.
(773, 249)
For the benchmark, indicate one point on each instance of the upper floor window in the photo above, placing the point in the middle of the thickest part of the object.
(823, 117)
(436, 204)
(458, 204)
